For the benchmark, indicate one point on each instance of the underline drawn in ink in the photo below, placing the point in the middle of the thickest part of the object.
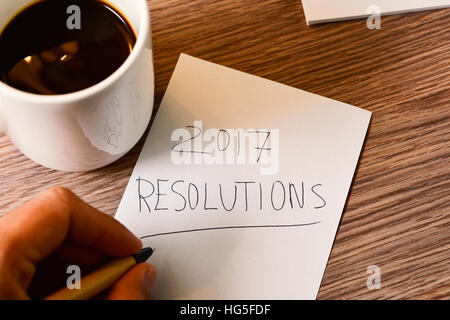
(275, 226)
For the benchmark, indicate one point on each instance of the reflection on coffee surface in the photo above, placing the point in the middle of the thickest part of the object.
(62, 46)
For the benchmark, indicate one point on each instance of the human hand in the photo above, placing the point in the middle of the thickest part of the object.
(39, 240)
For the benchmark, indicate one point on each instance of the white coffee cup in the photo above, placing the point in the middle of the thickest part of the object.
(91, 128)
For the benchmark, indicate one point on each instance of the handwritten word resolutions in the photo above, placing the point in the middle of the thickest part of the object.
(210, 196)
(241, 184)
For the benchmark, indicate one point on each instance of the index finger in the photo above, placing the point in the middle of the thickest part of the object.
(58, 215)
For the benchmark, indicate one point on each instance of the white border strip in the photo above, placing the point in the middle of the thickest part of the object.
(321, 11)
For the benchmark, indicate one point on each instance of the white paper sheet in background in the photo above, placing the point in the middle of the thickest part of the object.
(274, 242)
(320, 11)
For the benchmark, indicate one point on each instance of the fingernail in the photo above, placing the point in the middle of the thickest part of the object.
(149, 277)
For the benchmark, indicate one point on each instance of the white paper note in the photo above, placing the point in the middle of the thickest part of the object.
(320, 11)
(261, 224)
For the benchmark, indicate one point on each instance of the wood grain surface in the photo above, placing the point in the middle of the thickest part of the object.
(398, 211)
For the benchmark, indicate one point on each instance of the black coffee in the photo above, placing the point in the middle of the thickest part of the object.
(62, 46)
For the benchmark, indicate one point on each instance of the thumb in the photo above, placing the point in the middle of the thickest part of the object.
(135, 284)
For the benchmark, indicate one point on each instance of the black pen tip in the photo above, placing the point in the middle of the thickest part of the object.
(143, 255)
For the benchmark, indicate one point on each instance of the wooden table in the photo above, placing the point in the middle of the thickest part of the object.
(398, 212)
